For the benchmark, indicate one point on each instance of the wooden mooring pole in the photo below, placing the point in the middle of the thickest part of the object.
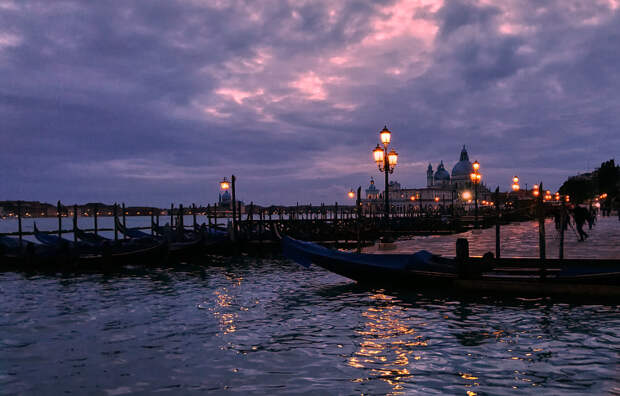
(541, 231)
(75, 224)
(115, 221)
(124, 220)
(497, 225)
(95, 209)
(19, 222)
(563, 216)
(59, 213)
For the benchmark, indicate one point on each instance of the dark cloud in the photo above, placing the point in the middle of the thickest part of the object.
(153, 103)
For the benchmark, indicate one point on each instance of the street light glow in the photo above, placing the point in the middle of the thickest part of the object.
(378, 155)
(393, 158)
(386, 136)
(224, 184)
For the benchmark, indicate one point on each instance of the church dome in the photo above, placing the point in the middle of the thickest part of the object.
(372, 185)
(463, 168)
(441, 174)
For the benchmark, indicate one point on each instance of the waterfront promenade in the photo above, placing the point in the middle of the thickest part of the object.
(521, 240)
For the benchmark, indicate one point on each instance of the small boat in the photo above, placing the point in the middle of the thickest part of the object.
(599, 278)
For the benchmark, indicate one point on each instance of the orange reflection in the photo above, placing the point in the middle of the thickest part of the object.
(388, 345)
(224, 305)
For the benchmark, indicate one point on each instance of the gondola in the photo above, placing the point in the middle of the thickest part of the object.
(180, 245)
(600, 278)
(67, 255)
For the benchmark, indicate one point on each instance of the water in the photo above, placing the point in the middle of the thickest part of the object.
(269, 326)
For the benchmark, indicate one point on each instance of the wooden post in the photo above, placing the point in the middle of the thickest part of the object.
(59, 213)
(115, 221)
(171, 215)
(462, 257)
(75, 215)
(209, 215)
(358, 218)
(233, 207)
(497, 225)
(180, 223)
(335, 212)
(95, 219)
(541, 224)
(19, 222)
(215, 214)
(239, 216)
(124, 220)
(194, 217)
(562, 225)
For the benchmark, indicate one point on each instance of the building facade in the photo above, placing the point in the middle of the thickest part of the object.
(441, 191)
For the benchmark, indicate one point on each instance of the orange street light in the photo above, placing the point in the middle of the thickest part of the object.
(385, 135)
(378, 155)
(224, 184)
(351, 194)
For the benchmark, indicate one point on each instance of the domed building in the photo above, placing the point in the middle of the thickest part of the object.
(372, 192)
(442, 188)
(462, 170)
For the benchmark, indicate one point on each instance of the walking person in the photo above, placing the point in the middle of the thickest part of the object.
(591, 217)
(580, 215)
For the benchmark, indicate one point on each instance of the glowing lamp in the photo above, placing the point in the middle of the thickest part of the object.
(378, 154)
(536, 192)
(515, 187)
(472, 176)
(478, 177)
(224, 184)
(476, 165)
(393, 158)
(386, 135)
(466, 195)
(515, 180)
(412, 198)
(436, 199)
(351, 194)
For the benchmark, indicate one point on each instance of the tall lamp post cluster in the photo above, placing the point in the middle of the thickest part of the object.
(225, 185)
(515, 184)
(476, 177)
(386, 161)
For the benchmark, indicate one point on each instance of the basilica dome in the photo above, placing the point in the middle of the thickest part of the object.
(441, 174)
(463, 168)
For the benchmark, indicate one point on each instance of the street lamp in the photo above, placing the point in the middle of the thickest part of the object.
(351, 194)
(225, 185)
(386, 162)
(535, 190)
(515, 184)
(476, 178)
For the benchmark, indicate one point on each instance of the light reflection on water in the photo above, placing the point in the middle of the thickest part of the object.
(272, 327)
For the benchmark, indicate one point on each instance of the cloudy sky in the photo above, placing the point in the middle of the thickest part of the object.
(152, 102)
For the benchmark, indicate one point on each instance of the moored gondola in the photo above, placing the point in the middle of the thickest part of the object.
(599, 278)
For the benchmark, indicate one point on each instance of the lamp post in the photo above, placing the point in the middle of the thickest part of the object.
(351, 194)
(475, 178)
(386, 161)
(225, 185)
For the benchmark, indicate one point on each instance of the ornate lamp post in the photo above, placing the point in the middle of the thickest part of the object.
(386, 161)
(515, 184)
(476, 177)
(225, 185)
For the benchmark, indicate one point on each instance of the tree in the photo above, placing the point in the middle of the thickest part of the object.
(579, 189)
(608, 177)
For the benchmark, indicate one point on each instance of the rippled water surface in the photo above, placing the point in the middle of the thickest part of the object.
(268, 326)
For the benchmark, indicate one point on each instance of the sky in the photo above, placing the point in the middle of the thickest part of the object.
(153, 102)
